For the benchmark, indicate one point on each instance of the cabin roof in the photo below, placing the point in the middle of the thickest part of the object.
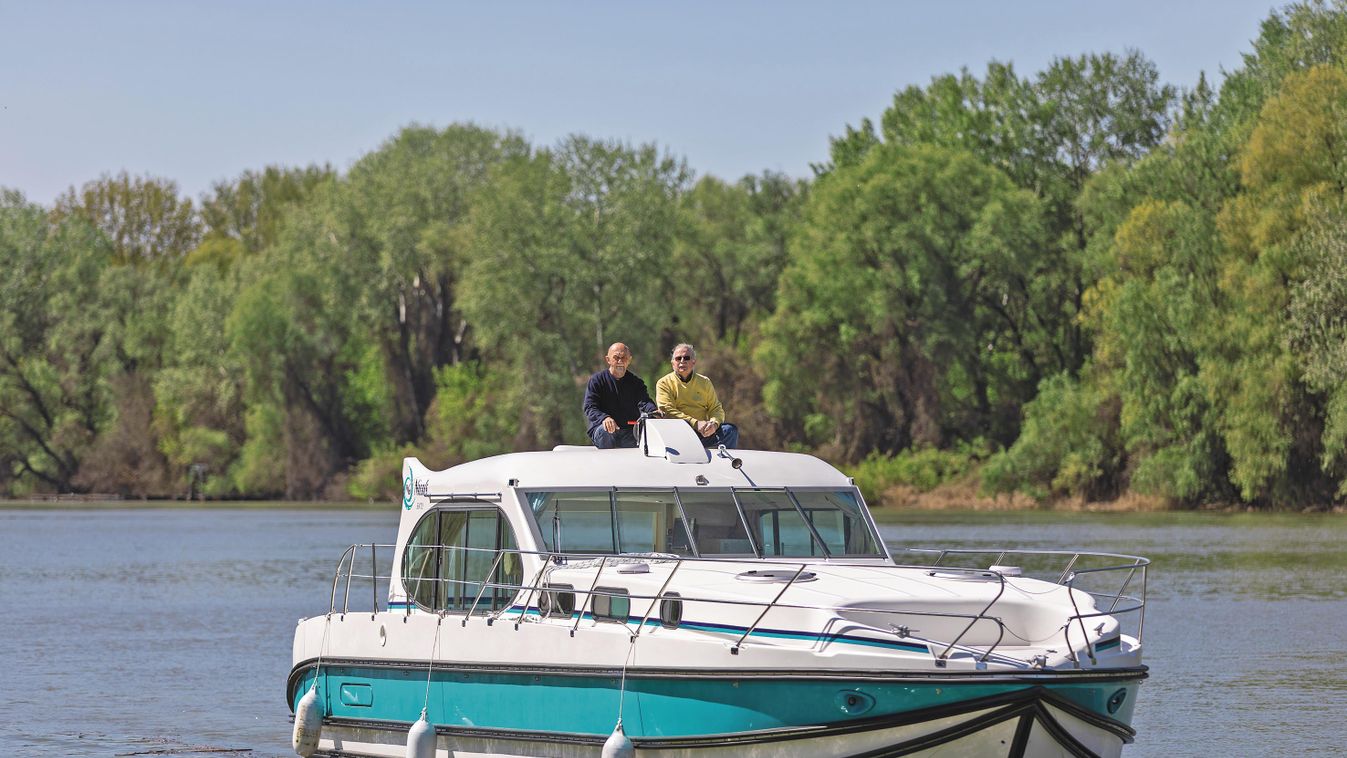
(590, 467)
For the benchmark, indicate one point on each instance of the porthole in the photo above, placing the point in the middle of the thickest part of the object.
(853, 702)
(611, 604)
(1115, 702)
(671, 610)
(564, 603)
(553, 603)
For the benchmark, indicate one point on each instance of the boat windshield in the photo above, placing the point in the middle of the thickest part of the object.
(764, 523)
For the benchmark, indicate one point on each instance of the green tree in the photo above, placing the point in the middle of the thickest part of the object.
(1295, 160)
(311, 371)
(244, 216)
(404, 217)
(145, 219)
(911, 289)
(730, 253)
(200, 413)
(53, 360)
(570, 253)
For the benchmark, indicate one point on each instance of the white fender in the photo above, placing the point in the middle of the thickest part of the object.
(617, 744)
(421, 739)
(308, 724)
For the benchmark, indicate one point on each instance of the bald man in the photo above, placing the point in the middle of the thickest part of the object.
(615, 397)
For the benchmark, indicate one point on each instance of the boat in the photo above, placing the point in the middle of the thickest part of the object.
(673, 600)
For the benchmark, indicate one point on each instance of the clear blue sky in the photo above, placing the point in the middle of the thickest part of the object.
(201, 91)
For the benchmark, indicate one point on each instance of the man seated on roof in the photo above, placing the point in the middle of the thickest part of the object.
(614, 399)
(684, 394)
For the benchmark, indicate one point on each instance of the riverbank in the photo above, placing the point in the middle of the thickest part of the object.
(965, 497)
(949, 497)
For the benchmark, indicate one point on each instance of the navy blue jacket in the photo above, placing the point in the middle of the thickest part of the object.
(624, 399)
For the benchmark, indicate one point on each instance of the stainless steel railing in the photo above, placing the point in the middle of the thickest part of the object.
(1075, 570)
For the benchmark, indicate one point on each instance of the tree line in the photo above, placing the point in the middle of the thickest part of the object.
(1081, 282)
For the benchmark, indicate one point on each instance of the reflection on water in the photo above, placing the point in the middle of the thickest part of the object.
(167, 632)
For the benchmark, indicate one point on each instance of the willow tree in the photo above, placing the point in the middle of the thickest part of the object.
(53, 361)
(403, 215)
(571, 252)
(916, 307)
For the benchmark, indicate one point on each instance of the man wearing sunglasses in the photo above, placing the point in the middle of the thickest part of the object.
(685, 394)
(614, 398)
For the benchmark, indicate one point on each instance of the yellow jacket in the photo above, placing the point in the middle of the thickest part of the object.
(693, 400)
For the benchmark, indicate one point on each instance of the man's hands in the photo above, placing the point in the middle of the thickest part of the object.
(707, 428)
(609, 425)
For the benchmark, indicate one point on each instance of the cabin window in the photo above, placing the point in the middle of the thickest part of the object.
(450, 562)
(611, 604)
(779, 528)
(838, 518)
(698, 521)
(648, 521)
(575, 521)
(717, 526)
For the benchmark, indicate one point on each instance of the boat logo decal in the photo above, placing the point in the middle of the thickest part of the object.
(407, 491)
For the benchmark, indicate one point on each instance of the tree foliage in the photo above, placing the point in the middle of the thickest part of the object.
(1078, 282)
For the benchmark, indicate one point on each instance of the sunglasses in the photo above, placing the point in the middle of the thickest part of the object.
(681, 358)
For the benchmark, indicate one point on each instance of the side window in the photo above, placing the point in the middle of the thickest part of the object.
(448, 561)
(611, 604)
(421, 564)
(575, 522)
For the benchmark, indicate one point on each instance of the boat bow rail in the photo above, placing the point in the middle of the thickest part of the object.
(1100, 592)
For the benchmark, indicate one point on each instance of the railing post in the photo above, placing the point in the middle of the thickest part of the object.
(533, 586)
(734, 650)
(981, 615)
(656, 599)
(487, 580)
(336, 579)
(374, 578)
(580, 613)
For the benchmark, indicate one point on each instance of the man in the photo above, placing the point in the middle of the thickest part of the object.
(690, 396)
(613, 398)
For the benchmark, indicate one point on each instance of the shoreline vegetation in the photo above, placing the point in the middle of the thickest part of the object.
(1078, 288)
(899, 503)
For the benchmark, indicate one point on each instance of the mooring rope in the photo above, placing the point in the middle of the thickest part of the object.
(430, 670)
(622, 687)
(322, 650)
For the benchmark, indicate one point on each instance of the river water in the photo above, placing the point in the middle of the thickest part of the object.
(167, 632)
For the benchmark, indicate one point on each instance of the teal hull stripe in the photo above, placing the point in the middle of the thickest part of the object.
(653, 707)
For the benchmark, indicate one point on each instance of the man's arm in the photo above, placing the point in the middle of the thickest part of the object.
(591, 404)
(715, 411)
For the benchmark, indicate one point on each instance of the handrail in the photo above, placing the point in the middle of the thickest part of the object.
(1118, 602)
(1001, 590)
(580, 612)
(735, 648)
(654, 600)
(485, 581)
